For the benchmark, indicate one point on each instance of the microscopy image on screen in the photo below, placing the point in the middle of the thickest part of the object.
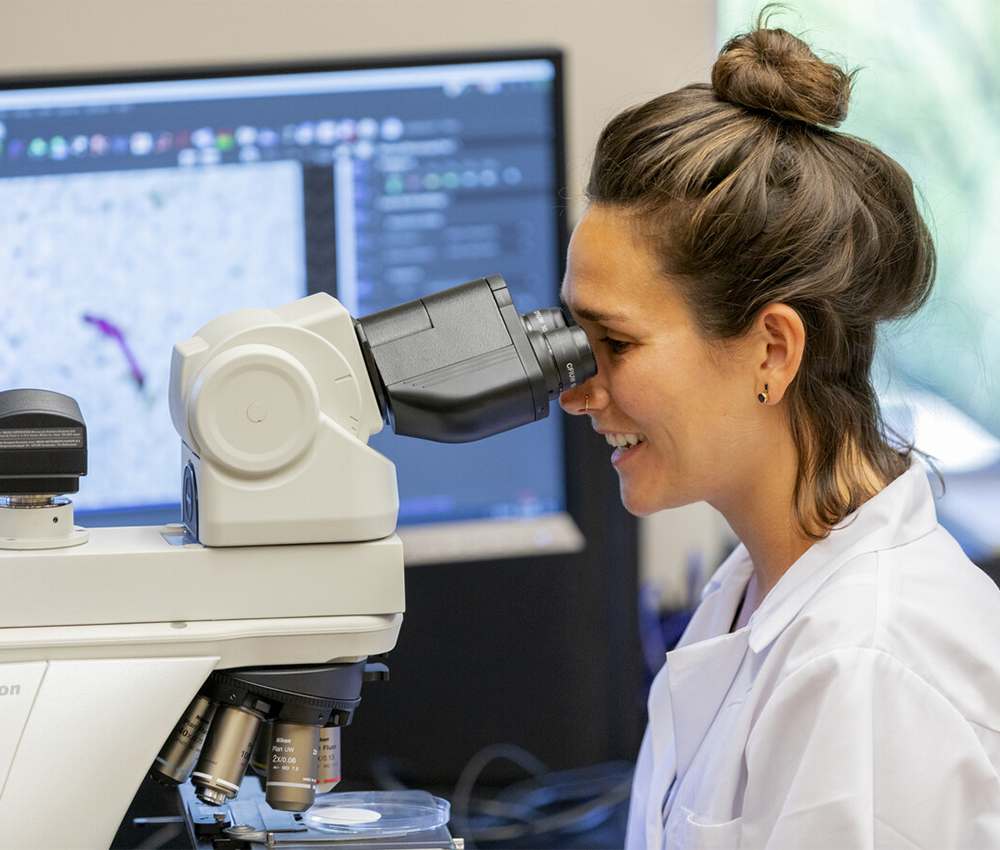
(98, 269)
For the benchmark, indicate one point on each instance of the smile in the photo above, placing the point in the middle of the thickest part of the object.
(624, 445)
(624, 441)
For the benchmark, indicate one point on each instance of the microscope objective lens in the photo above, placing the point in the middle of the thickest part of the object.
(261, 750)
(177, 756)
(225, 755)
(291, 771)
(328, 769)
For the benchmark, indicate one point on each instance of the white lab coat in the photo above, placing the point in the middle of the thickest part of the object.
(860, 707)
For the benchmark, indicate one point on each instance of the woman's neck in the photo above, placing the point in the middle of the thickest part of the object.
(762, 513)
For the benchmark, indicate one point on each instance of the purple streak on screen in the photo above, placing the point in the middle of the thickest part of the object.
(110, 329)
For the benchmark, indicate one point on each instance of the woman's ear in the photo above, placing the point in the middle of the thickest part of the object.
(781, 337)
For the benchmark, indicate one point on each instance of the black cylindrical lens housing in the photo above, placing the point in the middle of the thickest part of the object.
(462, 364)
(543, 320)
(560, 353)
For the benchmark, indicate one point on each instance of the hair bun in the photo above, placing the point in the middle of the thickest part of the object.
(771, 69)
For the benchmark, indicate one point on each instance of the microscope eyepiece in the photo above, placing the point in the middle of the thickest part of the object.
(544, 320)
(562, 350)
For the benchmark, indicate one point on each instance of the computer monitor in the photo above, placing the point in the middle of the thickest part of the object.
(134, 209)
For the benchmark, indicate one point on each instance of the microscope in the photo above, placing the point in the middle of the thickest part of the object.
(243, 634)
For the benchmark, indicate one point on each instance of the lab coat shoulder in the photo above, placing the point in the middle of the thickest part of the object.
(940, 615)
(877, 708)
(922, 603)
(859, 708)
(854, 749)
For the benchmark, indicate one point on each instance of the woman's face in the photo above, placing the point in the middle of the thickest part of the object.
(677, 410)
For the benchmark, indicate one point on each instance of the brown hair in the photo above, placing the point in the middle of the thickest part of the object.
(749, 199)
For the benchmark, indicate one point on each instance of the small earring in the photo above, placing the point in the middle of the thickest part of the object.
(765, 396)
(586, 404)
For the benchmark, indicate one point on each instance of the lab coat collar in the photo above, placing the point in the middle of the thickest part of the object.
(901, 513)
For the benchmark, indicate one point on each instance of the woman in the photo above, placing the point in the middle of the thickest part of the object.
(838, 685)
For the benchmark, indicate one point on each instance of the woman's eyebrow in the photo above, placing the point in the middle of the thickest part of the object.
(595, 316)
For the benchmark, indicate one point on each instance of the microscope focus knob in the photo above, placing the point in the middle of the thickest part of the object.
(254, 409)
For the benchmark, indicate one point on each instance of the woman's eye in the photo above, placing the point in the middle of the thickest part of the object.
(615, 346)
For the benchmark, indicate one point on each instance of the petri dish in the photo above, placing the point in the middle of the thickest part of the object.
(377, 814)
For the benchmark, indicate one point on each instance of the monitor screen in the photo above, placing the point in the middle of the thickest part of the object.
(134, 210)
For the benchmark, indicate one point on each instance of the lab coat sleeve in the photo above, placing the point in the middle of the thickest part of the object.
(855, 750)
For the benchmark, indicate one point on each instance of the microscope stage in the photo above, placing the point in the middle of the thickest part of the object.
(209, 827)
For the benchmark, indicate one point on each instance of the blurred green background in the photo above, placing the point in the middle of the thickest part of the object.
(927, 92)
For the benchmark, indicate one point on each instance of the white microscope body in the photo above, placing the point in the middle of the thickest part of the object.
(287, 555)
(105, 641)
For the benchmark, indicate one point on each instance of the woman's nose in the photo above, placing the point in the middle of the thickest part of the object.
(576, 400)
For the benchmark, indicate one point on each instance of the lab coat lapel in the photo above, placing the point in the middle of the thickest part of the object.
(700, 677)
(720, 599)
(685, 697)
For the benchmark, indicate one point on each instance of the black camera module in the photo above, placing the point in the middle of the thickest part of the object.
(463, 364)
